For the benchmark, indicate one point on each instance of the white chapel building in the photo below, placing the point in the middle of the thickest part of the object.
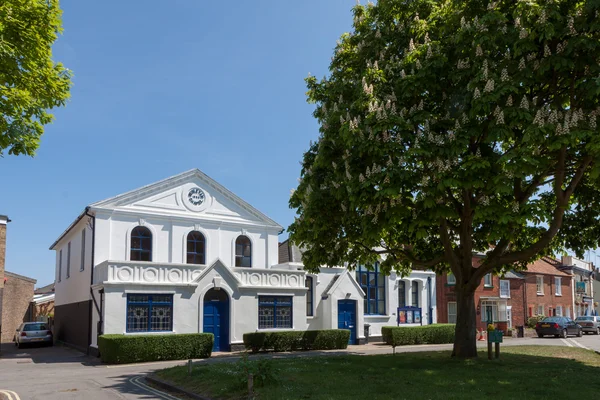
(186, 255)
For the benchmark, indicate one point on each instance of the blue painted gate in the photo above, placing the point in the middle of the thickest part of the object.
(216, 318)
(347, 318)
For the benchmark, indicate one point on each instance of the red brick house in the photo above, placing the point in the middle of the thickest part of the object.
(509, 300)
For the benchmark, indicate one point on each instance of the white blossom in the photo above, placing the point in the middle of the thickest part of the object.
(547, 51)
(500, 118)
(553, 118)
(489, 86)
(361, 178)
(484, 70)
(543, 18)
(485, 200)
(539, 118)
(478, 51)
(465, 118)
(524, 103)
(429, 52)
(515, 207)
(476, 94)
(509, 101)
(418, 64)
(420, 106)
(522, 64)
(504, 75)
(571, 25)
(402, 74)
(523, 33)
(411, 45)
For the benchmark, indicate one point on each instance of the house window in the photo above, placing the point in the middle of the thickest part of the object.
(559, 311)
(309, 296)
(451, 312)
(540, 310)
(487, 280)
(68, 260)
(451, 279)
(82, 262)
(196, 248)
(504, 289)
(415, 294)
(489, 311)
(373, 284)
(401, 294)
(243, 252)
(149, 312)
(274, 312)
(141, 244)
(557, 286)
(60, 265)
(568, 312)
(540, 285)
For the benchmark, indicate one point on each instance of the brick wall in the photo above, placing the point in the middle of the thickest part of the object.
(549, 300)
(18, 293)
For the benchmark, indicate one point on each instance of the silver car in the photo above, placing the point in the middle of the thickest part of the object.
(33, 332)
(589, 323)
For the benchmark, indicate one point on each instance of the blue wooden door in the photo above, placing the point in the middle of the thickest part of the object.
(216, 318)
(347, 318)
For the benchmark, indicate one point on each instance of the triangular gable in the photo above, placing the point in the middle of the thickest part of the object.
(341, 277)
(221, 269)
(170, 195)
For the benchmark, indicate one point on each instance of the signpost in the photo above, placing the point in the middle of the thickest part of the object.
(496, 337)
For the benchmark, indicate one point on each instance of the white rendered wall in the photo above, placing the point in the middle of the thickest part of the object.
(76, 288)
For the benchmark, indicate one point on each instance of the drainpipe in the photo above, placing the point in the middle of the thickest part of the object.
(430, 312)
(525, 305)
(87, 209)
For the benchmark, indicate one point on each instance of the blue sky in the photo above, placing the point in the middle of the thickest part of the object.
(163, 87)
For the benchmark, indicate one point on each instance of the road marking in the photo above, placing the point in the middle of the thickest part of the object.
(9, 394)
(566, 342)
(137, 382)
(579, 344)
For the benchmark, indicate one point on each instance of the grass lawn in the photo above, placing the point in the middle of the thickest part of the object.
(523, 372)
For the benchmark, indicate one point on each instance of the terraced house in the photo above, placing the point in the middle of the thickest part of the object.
(186, 255)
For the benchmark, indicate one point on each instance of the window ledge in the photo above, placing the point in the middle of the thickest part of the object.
(488, 286)
(149, 333)
(311, 317)
(505, 297)
(558, 295)
(540, 294)
(450, 284)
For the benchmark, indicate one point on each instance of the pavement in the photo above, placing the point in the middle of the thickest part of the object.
(60, 372)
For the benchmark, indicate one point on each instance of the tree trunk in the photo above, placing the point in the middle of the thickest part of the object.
(465, 340)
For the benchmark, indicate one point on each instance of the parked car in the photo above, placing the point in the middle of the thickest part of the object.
(33, 332)
(589, 323)
(558, 326)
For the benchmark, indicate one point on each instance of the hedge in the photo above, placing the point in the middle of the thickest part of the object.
(123, 349)
(430, 334)
(327, 339)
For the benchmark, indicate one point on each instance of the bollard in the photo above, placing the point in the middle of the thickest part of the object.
(189, 363)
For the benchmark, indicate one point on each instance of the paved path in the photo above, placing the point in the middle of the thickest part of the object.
(49, 373)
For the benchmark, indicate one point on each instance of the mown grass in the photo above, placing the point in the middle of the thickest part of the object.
(523, 372)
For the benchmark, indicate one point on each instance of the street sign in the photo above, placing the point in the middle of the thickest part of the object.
(495, 336)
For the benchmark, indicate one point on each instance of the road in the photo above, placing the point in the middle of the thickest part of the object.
(58, 372)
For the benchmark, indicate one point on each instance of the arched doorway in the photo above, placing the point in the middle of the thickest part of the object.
(216, 318)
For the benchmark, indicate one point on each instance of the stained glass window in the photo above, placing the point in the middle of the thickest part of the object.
(309, 296)
(274, 312)
(149, 312)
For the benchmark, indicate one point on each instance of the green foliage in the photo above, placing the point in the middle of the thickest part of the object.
(454, 127)
(263, 371)
(327, 339)
(428, 334)
(123, 349)
(532, 321)
(31, 82)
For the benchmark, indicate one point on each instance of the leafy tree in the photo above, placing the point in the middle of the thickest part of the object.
(31, 83)
(453, 127)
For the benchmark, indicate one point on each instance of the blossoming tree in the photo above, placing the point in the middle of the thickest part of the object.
(455, 127)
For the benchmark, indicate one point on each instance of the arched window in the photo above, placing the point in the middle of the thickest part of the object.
(243, 252)
(141, 244)
(196, 248)
(309, 296)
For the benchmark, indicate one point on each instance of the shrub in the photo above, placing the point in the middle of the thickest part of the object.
(263, 371)
(531, 321)
(430, 334)
(327, 339)
(123, 349)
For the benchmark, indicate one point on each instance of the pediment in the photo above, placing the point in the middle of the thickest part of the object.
(191, 194)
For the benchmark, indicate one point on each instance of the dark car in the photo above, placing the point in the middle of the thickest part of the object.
(589, 323)
(558, 326)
